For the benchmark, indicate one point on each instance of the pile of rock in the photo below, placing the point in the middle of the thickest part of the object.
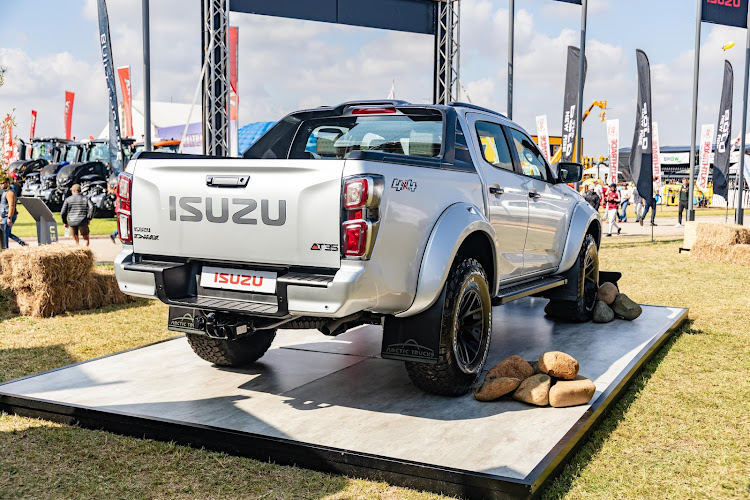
(552, 380)
(611, 304)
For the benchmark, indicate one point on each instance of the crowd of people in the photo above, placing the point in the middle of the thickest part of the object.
(77, 211)
(616, 198)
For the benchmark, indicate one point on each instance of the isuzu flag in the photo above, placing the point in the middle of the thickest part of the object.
(641, 167)
(656, 157)
(707, 138)
(115, 146)
(8, 141)
(33, 124)
(570, 103)
(724, 134)
(542, 134)
(613, 145)
(127, 98)
(69, 97)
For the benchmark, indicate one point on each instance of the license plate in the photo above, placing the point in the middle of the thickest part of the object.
(242, 280)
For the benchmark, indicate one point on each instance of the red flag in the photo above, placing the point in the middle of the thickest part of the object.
(234, 99)
(69, 96)
(127, 98)
(33, 124)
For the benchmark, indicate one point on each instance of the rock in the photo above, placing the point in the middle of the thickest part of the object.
(571, 392)
(512, 367)
(603, 313)
(493, 388)
(534, 390)
(607, 293)
(558, 364)
(625, 308)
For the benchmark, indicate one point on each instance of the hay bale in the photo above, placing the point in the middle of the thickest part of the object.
(35, 267)
(721, 234)
(690, 236)
(741, 255)
(98, 289)
(735, 254)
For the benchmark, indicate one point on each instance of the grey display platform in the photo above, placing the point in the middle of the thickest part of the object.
(333, 404)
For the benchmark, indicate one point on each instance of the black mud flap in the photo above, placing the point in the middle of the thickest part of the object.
(186, 320)
(416, 338)
(610, 277)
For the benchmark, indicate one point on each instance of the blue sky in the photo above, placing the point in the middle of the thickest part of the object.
(51, 46)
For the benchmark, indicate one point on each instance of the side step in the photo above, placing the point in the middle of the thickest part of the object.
(517, 291)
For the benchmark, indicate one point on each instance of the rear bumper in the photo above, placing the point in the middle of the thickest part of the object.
(346, 292)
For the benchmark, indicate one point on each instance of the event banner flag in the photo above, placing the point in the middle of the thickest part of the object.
(641, 168)
(115, 146)
(542, 135)
(33, 124)
(707, 139)
(127, 98)
(234, 99)
(726, 12)
(69, 97)
(570, 102)
(613, 145)
(656, 157)
(724, 134)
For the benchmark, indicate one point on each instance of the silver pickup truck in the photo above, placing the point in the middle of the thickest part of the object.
(416, 217)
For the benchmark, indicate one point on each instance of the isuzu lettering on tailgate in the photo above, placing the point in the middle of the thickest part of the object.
(242, 280)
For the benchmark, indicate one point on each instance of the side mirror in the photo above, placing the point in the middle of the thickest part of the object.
(569, 172)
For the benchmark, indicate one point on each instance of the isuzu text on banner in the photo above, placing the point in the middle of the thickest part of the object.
(570, 102)
(115, 146)
(707, 138)
(641, 168)
(656, 156)
(542, 135)
(33, 124)
(69, 98)
(723, 134)
(613, 145)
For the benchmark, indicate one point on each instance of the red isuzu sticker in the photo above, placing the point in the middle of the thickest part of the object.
(242, 280)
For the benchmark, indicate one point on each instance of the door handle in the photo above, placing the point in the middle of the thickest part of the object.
(534, 195)
(496, 190)
(227, 180)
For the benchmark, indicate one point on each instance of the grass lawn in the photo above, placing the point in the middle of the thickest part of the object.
(26, 227)
(681, 430)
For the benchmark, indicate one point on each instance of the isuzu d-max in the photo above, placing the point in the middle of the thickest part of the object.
(416, 217)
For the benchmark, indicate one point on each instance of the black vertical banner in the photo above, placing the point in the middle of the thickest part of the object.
(724, 134)
(570, 102)
(640, 154)
(105, 43)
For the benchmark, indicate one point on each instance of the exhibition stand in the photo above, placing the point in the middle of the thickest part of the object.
(332, 404)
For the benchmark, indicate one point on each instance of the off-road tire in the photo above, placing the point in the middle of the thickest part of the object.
(240, 352)
(446, 377)
(581, 309)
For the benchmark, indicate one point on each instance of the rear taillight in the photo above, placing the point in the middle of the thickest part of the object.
(361, 215)
(123, 209)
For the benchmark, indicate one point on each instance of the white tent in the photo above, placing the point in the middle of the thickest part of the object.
(163, 114)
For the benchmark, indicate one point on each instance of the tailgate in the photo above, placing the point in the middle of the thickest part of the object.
(284, 212)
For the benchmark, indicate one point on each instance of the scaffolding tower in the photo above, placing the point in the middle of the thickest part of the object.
(215, 102)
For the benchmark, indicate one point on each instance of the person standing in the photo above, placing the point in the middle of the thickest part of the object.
(592, 198)
(637, 204)
(683, 203)
(612, 200)
(651, 204)
(77, 211)
(625, 196)
(8, 212)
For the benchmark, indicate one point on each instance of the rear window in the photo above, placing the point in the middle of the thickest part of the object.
(336, 137)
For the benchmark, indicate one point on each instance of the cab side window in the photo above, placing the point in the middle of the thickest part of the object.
(494, 146)
(531, 159)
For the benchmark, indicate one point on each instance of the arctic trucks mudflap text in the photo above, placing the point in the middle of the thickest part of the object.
(416, 217)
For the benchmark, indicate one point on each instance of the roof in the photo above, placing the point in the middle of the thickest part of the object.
(250, 133)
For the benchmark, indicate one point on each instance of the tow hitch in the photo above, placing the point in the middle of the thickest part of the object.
(220, 330)
(216, 326)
